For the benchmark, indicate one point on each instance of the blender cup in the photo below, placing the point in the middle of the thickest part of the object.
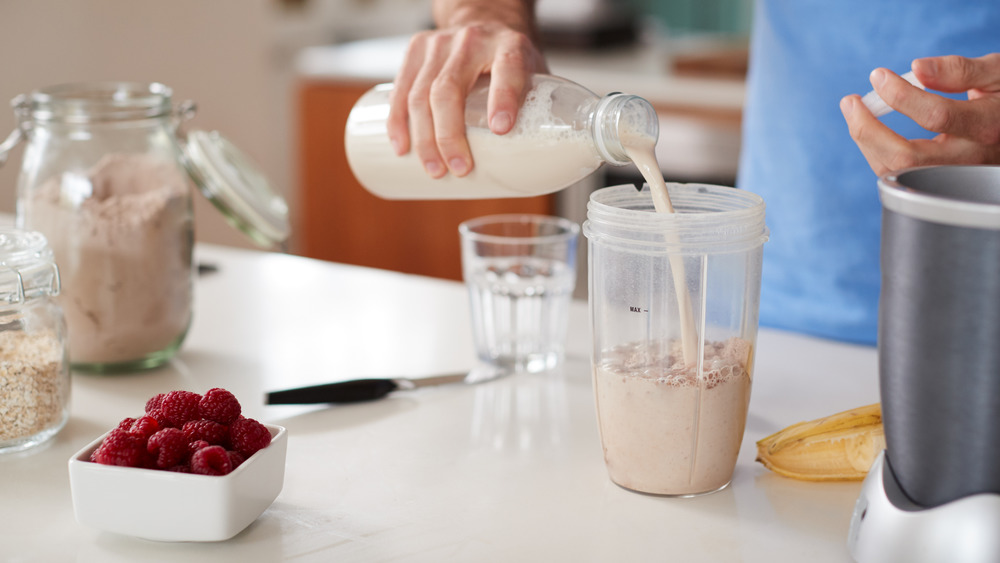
(939, 330)
(672, 387)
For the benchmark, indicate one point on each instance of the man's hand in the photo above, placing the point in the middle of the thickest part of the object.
(427, 108)
(968, 130)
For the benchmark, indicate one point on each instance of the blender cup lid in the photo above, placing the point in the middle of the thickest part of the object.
(234, 185)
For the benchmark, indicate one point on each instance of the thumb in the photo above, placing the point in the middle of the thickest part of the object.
(953, 73)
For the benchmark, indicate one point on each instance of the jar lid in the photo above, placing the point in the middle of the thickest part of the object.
(27, 267)
(234, 185)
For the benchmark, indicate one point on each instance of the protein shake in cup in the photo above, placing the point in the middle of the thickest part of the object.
(672, 388)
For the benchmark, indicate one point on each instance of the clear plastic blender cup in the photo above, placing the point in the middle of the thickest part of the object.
(671, 423)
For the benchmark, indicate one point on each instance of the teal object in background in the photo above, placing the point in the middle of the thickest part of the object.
(725, 17)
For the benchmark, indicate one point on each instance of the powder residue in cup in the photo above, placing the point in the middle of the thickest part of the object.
(34, 386)
(122, 238)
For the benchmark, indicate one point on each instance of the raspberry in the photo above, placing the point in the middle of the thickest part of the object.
(121, 447)
(145, 426)
(185, 432)
(154, 402)
(197, 445)
(157, 414)
(169, 446)
(235, 458)
(220, 405)
(207, 430)
(126, 424)
(247, 436)
(180, 406)
(212, 460)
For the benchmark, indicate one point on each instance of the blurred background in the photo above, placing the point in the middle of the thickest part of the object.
(277, 77)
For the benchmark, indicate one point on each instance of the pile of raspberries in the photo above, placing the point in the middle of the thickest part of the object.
(185, 432)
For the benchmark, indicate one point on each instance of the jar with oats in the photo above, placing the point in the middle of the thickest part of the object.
(34, 369)
(106, 176)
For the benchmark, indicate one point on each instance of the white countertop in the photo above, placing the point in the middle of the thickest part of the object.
(509, 470)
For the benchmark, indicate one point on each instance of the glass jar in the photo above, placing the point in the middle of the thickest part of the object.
(563, 133)
(107, 177)
(34, 367)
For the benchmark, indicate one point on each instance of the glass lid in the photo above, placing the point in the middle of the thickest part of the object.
(233, 183)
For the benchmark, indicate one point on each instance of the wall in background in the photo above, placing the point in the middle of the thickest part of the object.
(233, 57)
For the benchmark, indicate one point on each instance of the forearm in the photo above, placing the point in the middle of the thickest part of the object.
(516, 14)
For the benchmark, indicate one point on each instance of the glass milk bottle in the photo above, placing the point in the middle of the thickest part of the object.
(563, 133)
(106, 177)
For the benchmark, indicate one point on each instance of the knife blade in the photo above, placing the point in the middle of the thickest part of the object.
(358, 390)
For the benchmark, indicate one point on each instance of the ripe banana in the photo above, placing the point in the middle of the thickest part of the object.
(840, 447)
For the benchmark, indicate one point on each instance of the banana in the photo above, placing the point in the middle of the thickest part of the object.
(839, 447)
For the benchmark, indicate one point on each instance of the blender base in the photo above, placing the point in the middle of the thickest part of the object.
(887, 527)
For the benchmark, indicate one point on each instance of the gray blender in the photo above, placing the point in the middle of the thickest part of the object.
(933, 495)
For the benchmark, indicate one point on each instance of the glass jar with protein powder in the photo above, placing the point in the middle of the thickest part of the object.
(106, 177)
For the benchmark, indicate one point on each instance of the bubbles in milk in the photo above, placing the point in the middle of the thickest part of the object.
(536, 119)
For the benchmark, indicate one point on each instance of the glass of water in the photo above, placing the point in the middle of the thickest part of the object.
(520, 271)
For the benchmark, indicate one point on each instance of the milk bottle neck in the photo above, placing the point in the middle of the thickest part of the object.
(620, 120)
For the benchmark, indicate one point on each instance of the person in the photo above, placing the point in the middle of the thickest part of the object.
(808, 61)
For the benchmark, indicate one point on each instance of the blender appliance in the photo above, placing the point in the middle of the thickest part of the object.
(933, 495)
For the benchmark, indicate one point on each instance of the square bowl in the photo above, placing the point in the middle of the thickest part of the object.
(168, 506)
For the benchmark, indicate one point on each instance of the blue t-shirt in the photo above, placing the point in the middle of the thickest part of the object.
(821, 265)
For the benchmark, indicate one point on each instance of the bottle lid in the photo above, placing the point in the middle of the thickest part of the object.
(27, 267)
(236, 187)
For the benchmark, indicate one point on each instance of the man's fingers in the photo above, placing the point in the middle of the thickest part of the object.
(510, 80)
(422, 119)
(953, 73)
(960, 118)
(880, 145)
(459, 74)
(448, 108)
(427, 108)
(397, 123)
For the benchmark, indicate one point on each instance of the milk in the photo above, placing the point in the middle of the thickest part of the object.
(642, 151)
(517, 166)
(540, 155)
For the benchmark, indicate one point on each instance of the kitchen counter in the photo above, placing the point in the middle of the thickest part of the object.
(507, 470)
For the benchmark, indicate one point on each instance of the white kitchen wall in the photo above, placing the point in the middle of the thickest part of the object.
(232, 57)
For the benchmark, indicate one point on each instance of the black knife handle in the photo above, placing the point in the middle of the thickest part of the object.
(354, 391)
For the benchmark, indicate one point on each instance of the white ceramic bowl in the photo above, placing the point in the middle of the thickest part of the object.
(169, 506)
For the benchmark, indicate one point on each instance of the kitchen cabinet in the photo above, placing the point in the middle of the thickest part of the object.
(342, 222)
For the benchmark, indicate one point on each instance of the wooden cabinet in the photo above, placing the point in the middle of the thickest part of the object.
(341, 221)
